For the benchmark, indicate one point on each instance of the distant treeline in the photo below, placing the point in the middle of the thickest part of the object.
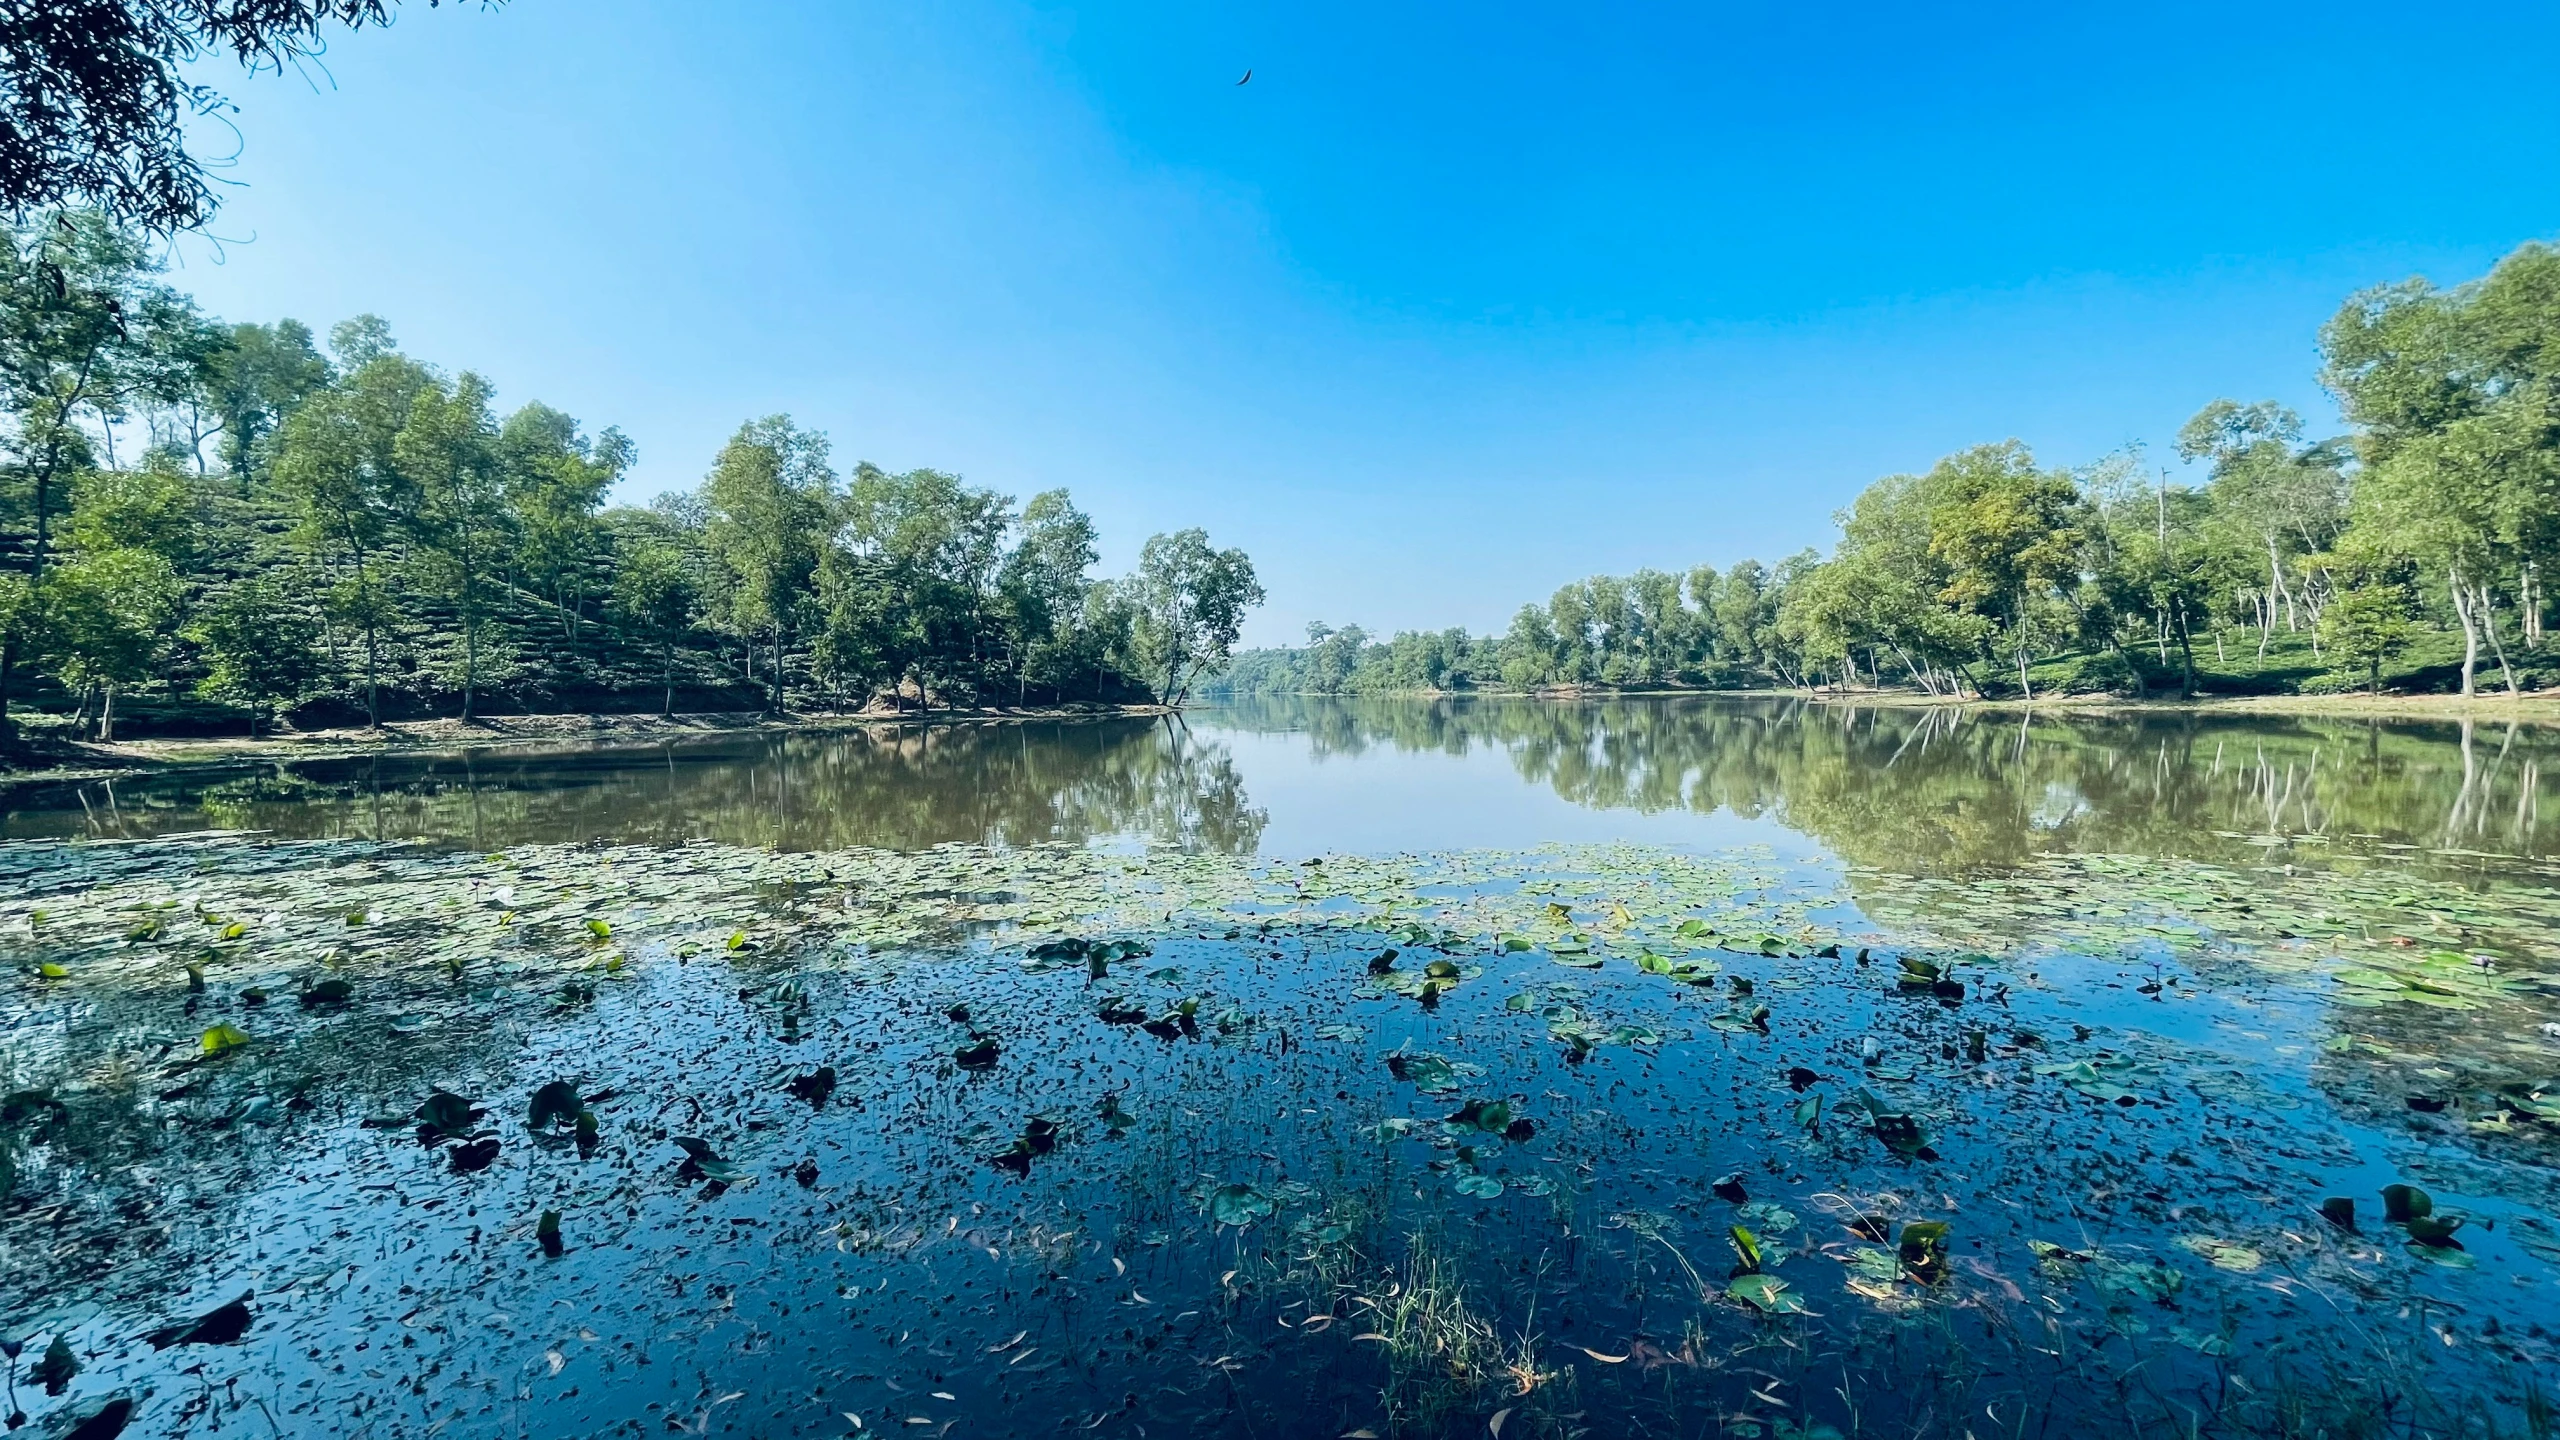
(225, 520)
(2418, 537)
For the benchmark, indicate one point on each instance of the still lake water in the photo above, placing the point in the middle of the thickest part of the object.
(1947, 791)
(1663, 1067)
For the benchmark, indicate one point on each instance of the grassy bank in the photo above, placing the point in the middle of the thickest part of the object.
(2233, 677)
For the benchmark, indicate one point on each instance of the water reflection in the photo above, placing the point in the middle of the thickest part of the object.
(1934, 790)
(905, 788)
(1946, 790)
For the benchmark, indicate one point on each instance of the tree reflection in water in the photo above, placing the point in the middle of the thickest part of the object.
(1954, 790)
(1933, 790)
(902, 787)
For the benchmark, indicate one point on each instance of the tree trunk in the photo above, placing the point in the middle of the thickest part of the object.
(107, 713)
(372, 677)
(667, 673)
(2470, 629)
(2187, 656)
(2276, 586)
(2497, 647)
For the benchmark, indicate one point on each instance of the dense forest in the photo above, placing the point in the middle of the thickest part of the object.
(212, 524)
(2412, 548)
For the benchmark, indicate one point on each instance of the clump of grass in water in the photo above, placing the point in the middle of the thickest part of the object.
(1444, 1359)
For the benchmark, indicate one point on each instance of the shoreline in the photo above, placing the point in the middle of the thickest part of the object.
(52, 761)
(2540, 707)
(2535, 706)
(75, 760)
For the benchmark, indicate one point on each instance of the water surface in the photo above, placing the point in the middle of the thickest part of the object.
(1300, 1068)
(1951, 791)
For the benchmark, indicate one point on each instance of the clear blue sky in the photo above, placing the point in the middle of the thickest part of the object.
(1451, 304)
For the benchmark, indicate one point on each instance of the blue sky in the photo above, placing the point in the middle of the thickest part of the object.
(1451, 304)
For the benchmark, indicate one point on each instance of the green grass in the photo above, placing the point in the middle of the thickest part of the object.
(2432, 664)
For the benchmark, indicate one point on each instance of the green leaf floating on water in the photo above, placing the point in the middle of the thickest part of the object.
(1766, 1293)
(2222, 1254)
(223, 1037)
(1480, 1186)
(1241, 1205)
(1767, 1217)
(1433, 1074)
(1746, 1246)
(2092, 1080)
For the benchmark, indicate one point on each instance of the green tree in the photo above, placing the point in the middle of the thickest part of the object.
(262, 650)
(938, 545)
(446, 452)
(554, 480)
(1188, 603)
(1041, 590)
(2365, 627)
(107, 616)
(260, 376)
(769, 504)
(337, 464)
(654, 597)
(2458, 395)
(73, 291)
(2005, 530)
(2281, 501)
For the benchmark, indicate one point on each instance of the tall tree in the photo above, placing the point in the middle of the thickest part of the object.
(262, 374)
(337, 461)
(939, 545)
(74, 291)
(261, 647)
(448, 460)
(654, 595)
(2283, 500)
(2458, 394)
(1189, 603)
(1041, 590)
(554, 479)
(768, 503)
(2005, 530)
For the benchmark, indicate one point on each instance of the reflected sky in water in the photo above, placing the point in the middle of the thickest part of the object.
(1939, 790)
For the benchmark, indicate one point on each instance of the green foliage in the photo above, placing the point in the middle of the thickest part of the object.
(1188, 604)
(260, 649)
(2365, 628)
(364, 531)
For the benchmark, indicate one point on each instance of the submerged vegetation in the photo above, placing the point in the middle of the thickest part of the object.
(567, 1138)
(2410, 550)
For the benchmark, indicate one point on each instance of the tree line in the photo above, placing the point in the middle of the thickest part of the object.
(201, 514)
(2422, 533)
